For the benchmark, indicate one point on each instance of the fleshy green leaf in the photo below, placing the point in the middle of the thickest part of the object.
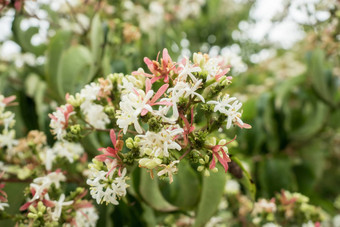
(57, 45)
(96, 38)
(184, 191)
(212, 192)
(75, 70)
(150, 192)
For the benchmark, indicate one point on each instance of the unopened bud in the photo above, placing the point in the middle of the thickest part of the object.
(201, 161)
(129, 143)
(32, 216)
(200, 168)
(206, 158)
(206, 173)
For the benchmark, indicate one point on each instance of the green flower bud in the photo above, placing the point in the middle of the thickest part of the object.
(32, 209)
(129, 143)
(110, 111)
(206, 173)
(147, 151)
(137, 140)
(215, 170)
(201, 161)
(200, 168)
(206, 158)
(222, 142)
(211, 141)
(32, 216)
(150, 163)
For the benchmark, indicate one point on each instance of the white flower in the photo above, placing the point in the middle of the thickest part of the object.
(64, 149)
(59, 120)
(222, 104)
(264, 205)
(105, 188)
(271, 224)
(90, 92)
(213, 68)
(230, 107)
(187, 70)
(86, 217)
(181, 89)
(169, 170)
(336, 221)
(48, 158)
(131, 106)
(58, 206)
(40, 184)
(3, 205)
(7, 140)
(231, 58)
(158, 144)
(214, 221)
(7, 118)
(232, 187)
(51, 178)
(233, 115)
(308, 224)
(69, 150)
(95, 114)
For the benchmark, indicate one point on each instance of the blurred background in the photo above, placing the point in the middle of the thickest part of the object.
(285, 66)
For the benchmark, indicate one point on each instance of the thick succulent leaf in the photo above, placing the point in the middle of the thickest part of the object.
(184, 191)
(59, 42)
(75, 70)
(149, 190)
(212, 192)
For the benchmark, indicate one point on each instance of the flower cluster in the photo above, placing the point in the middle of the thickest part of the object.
(154, 118)
(7, 121)
(33, 160)
(49, 206)
(3, 196)
(285, 209)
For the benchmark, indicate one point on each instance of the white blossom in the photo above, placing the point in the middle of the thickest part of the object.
(213, 68)
(40, 184)
(59, 120)
(180, 90)
(158, 144)
(104, 187)
(169, 170)
(90, 92)
(336, 221)
(7, 140)
(7, 119)
(86, 217)
(131, 106)
(187, 70)
(231, 108)
(3, 205)
(270, 224)
(232, 187)
(308, 224)
(58, 206)
(95, 114)
(63, 149)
